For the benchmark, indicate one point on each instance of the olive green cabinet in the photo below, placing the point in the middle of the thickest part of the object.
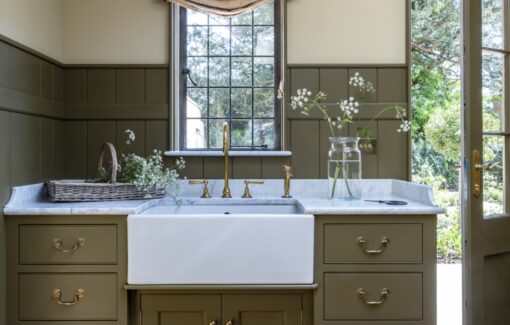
(69, 270)
(375, 269)
(222, 309)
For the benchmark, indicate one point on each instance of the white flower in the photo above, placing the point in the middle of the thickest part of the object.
(131, 136)
(280, 92)
(301, 98)
(405, 126)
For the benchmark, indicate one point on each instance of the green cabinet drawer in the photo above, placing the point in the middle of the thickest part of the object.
(68, 244)
(372, 243)
(39, 301)
(343, 298)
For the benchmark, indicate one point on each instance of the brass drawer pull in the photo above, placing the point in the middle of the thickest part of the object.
(363, 244)
(230, 322)
(213, 322)
(57, 294)
(362, 294)
(57, 245)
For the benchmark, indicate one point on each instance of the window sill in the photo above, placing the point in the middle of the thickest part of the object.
(235, 153)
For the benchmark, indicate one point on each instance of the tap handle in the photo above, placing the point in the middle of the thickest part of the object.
(247, 182)
(287, 172)
(205, 193)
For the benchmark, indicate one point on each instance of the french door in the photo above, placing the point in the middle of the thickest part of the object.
(486, 157)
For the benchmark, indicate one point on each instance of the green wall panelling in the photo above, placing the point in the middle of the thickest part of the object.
(137, 147)
(46, 80)
(335, 83)
(247, 167)
(101, 85)
(75, 81)
(272, 167)
(213, 167)
(305, 148)
(33, 75)
(98, 132)
(130, 85)
(58, 84)
(194, 167)
(16, 75)
(4, 64)
(393, 152)
(25, 149)
(156, 136)
(392, 85)
(75, 149)
(156, 85)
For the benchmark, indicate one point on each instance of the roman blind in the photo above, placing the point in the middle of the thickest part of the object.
(225, 8)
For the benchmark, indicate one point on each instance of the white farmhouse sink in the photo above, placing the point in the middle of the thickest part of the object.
(218, 248)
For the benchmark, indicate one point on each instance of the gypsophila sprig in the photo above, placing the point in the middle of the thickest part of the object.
(365, 87)
(130, 136)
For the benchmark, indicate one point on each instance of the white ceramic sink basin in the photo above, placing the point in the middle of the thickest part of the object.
(216, 248)
(225, 209)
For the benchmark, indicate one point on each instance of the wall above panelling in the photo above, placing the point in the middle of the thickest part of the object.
(346, 31)
(35, 24)
(116, 31)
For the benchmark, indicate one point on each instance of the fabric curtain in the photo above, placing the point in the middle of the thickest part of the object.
(225, 8)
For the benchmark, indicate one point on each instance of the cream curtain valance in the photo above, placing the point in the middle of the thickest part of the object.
(224, 8)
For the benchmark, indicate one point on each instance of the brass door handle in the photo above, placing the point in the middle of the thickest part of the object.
(477, 174)
(382, 246)
(363, 295)
(57, 244)
(229, 322)
(57, 294)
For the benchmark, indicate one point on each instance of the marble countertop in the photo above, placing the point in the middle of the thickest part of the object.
(309, 195)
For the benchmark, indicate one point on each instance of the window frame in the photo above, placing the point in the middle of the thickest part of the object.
(181, 80)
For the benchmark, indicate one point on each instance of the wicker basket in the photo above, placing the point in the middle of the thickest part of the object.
(80, 191)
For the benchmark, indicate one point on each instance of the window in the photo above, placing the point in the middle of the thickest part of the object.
(496, 105)
(230, 71)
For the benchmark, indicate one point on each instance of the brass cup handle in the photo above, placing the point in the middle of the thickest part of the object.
(229, 322)
(213, 322)
(382, 246)
(57, 244)
(57, 294)
(362, 294)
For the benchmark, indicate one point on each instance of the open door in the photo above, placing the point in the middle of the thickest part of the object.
(486, 156)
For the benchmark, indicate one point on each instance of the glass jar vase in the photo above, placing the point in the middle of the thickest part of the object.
(344, 168)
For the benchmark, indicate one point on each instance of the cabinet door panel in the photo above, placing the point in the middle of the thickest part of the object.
(263, 309)
(180, 309)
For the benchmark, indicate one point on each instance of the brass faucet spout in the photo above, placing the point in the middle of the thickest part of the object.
(226, 189)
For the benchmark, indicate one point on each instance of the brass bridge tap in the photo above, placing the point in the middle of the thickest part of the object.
(287, 173)
(226, 189)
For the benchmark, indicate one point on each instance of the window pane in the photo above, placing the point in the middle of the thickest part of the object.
(219, 40)
(264, 15)
(264, 72)
(264, 40)
(216, 20)
(493, 65)
(196, 104)
(243, 19)
(264, 102)
(241, 102)
(241, 72)
(196, 18)
(219, 102)
(197, 40)
(219, 71)
(198, 71)
(241, 40)
(493, 178)
(264, 133)
(196, 131)
(241, 133)
(216, 133)
(493, 23)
